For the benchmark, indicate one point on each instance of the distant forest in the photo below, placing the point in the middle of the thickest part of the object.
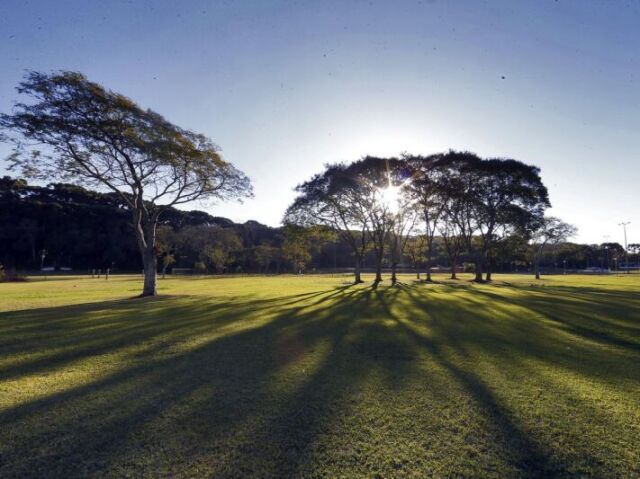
(67, 226)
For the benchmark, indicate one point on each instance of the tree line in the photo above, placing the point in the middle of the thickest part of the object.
(63, 226)
(454, 207)
(84, 230)
(474, 206)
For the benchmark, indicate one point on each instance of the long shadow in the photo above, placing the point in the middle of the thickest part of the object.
(464, 325)
(545, 327)
(76, 335)
(247, 388)
(69, 332)
(528, 457)
(580, 314)
(240, 364)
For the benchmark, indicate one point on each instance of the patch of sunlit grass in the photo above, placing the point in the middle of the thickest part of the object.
(309, 376)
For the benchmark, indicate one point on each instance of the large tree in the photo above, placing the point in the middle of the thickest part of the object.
(380, 198)
(550, 231)
(452, 241)
(300, 243)
(403, 220)
(415, 248)
(428, 189)
(333, 199)
(495, 197)
(77, 130)
(356, 201)
(460, 173)
(509, 196)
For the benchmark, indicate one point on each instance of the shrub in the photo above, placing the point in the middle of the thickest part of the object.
(10, 275)
(469, 267)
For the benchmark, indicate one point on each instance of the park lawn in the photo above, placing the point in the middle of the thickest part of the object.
(308, 376)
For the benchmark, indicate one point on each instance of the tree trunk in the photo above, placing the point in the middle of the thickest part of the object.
(150, 272)
(428, 261)
(453, 270)
(358, 271)
(378, 277)
(488, 274)
(146, 235)
(417, 273)
(478, 278)
(394, 279)
(536, 268)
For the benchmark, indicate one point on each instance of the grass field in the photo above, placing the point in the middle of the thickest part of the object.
(312, 377)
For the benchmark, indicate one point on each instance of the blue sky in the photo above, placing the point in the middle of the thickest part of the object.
(284, 87)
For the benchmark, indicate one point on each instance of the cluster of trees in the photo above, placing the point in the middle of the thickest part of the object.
(401, 206)
(451, 208)
(82, 229)
(608, 256)
(62, 225)
(67, 226)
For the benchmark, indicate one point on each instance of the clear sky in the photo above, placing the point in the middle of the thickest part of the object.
(284, 87)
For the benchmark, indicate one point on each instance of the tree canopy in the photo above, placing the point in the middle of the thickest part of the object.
(77, 130)
(457, 194)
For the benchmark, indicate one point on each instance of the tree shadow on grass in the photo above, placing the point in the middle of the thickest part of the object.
(53, 337)
(527, 457)
(564, 333)
(610, 317)
(81, 429)
(254, 387)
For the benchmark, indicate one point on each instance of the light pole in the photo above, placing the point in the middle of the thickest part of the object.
(43, 255)
(626, 252)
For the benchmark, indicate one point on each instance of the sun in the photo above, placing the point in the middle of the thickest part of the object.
(390, 198)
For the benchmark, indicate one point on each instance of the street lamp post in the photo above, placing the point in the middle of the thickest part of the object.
(626, 252)
(606, 252)
(43, 255)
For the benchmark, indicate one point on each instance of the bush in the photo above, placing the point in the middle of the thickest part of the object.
(10, 276)
(199, 267)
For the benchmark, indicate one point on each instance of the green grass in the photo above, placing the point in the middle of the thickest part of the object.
(310, 377)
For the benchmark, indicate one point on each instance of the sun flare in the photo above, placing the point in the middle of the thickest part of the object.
(390, 197)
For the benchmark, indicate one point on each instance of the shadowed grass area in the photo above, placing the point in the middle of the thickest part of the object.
(311, 377)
